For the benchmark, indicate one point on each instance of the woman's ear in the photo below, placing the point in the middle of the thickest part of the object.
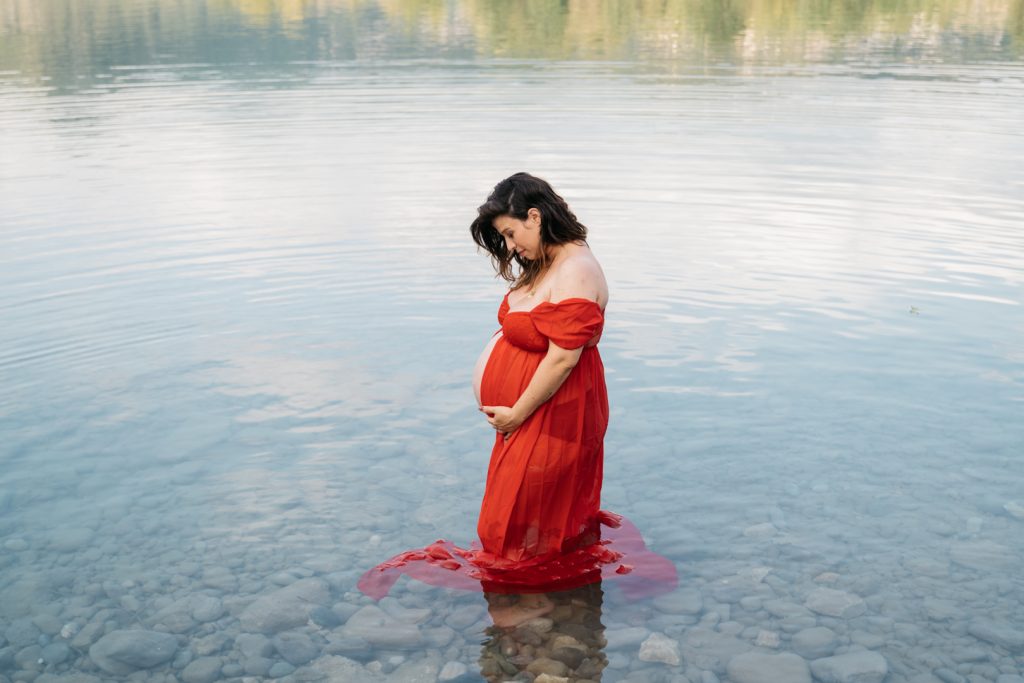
(533, 214)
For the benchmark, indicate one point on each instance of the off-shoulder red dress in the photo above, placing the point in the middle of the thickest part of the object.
(540, 526)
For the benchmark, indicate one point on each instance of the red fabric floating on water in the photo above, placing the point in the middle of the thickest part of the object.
(540, 525)
(646, 574)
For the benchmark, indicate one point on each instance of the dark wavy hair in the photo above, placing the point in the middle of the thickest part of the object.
(515, 196)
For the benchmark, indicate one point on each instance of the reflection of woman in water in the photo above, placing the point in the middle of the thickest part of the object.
(567, 642)
(540, 385)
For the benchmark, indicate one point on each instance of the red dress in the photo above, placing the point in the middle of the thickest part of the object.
(541, 528)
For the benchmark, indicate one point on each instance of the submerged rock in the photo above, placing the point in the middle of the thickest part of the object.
(285, 608)
(123, 652)
(835, 603)
(660, 648)
(997, 634)
(374, 626)
(853, 667)
(754, 667)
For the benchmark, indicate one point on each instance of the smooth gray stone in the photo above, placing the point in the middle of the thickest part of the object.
(122, 652)
(22, 632)
(285, 608)
(55, 653)
(324, 617)
(377, 628)
(864, 666)
(28, 658)
(1010, 678)
(280, 670)
(949, 676)
(257, 666)
(814, 643)
(835, 603)
(998, 634)
(783, 609)
(625, 637)
(48, 623)
(755, 667)
(296, 648)
(340, 669)
(206, 608)
(685, 601)
(983, 555)
(202, 670)
(452, 671)
(254, 645)
(708, 649)
(232, 670)
(464, 616)
(66, 678)
(69, 539)
(211, 644)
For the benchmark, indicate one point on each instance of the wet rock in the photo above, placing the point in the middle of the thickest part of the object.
(572, 657)
(21, 632)
(998, 634)
(546, 665)
(629, 636)
(863, 666)
(202, 670)
(814, 643)
(257, 666)
(286, 607)
(397, 611)
(548, 678)
(767, 639)
(48, 624)
(835, 603)
(122, 652)
(755, 667)
(707, 649)
(764, 530)
(254, 645)
(55, 653)
(374, 626)
(686, 601)
(70, 539)
(452, 671)
(28, 658)
(660, 648)
(984, 555)
(339, 669)
(296, 648)
(940, 610)
(280, 670)
(465, 616)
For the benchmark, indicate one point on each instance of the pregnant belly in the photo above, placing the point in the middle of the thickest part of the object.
(481, 365)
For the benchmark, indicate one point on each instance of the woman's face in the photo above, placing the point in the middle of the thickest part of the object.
(522, 237)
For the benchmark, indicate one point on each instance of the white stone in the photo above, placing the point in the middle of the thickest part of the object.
(660, 648)
(985, 555)
(377, 628)
(123, 652)
(286, 607)
(767, 639)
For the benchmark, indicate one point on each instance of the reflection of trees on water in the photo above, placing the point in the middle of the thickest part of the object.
(64, 39)
(567, 641)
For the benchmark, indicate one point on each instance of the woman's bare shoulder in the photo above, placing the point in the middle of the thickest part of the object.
(580, 275)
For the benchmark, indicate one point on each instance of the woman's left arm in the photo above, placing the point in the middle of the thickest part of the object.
(550, 375)
(576, 279)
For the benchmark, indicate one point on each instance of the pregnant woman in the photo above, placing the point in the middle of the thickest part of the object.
(540, 385)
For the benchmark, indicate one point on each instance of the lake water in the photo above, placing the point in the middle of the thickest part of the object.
(241, 309)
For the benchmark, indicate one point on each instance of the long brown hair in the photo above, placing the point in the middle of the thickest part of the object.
(515, 196)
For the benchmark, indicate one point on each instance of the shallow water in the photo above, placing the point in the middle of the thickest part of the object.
(241, 312)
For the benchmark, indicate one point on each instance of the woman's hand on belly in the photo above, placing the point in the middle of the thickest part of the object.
(503, 418)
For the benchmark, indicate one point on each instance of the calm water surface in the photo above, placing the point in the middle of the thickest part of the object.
(241, 308)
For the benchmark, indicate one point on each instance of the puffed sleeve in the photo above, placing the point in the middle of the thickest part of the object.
(570, 323)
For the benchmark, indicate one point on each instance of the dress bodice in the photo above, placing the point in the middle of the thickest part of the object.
(570, 323)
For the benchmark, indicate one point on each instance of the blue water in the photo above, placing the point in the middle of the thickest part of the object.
(241, 309)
